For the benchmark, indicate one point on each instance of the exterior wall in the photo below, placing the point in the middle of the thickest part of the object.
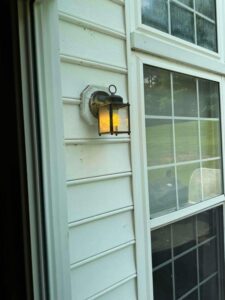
(98, 169)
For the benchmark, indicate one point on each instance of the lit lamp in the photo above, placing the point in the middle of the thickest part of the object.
(113, 115)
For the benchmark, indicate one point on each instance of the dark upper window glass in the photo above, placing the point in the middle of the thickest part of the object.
(193, 21)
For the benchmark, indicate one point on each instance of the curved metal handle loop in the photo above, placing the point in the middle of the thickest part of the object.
(110, 89)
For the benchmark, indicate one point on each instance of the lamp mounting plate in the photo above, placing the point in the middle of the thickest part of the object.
(86, 95)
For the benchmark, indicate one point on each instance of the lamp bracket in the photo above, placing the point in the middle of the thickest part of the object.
(91, 97)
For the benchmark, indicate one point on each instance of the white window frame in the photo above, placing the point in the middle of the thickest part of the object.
(153, 47)
(138, 144)
(138, 26)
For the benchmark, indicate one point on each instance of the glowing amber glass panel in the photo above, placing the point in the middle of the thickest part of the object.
(104, 119)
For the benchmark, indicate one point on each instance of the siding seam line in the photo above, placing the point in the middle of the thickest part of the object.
(91, 64)
(113, 287)
(69, 142)
(72, 19)
(100, 216)
(97, 178)
(69, 100)
(102, 254)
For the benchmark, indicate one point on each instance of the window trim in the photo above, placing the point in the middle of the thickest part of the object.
(170, 66)
(138, 27)
(51, 139)
(139, 161)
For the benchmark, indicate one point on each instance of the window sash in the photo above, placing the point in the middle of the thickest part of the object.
(142, 59)
(143, 224)
(139, 28)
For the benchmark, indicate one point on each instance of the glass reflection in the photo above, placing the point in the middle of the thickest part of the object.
(184, 236)
(192, 296)
(162, 190)
(157, 92)
(206, 34)
(159, 140)
(207, 259)
(185, 95)
(187, 2)
(185, 273)
(187, 141)
(212, 179)
(206, 225)
(210, 139)
(209, 290)
(155, 14)
(189, 184)
(162, 283)
(161, 245)
(208, 98)
(206, 7)
(182, 23)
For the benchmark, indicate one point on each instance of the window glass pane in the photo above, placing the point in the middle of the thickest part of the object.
(208, 98)
(206, 7)
(206, 34)
(182, 135)
(209, 290)
(185, 273)
(162, 281)
(182, 15)
(191, 266)
(187, 2)
(210, 139)
(155, 14)
(162, 190)
(189, 178)
(207, 259)
(206, 224)
(185, 96)
(192, 296)
(157, 92)
(182, 23)
(161, 247)
(187, 141)
(212, 179)
(184, 235)
(159, 140)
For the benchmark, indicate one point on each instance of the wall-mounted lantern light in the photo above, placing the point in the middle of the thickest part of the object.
(113, 115)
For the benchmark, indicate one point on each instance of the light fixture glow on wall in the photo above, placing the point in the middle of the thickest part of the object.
(113, 115)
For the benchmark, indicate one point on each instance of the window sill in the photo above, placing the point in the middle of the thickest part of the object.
(144, 43)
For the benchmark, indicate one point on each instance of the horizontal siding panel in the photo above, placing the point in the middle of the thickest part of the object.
(76, 128)
(87, 44)
(126, 291)
(75, 79)
(83, 161)
(100, 235)
(102, 273)
(102, 12)
(81, 203)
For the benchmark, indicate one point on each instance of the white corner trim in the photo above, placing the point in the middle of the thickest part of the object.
(51, 123)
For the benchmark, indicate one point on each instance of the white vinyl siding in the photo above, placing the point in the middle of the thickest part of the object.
(93, 51)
